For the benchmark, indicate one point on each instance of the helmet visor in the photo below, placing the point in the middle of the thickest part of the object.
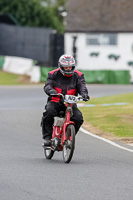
(68, 70)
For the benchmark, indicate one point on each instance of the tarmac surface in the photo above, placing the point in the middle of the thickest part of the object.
(97, 171)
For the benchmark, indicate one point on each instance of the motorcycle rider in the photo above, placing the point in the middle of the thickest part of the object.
(66, 80)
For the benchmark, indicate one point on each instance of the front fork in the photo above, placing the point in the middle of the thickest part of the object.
(64, 137)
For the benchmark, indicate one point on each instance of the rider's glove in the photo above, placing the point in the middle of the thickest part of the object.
(85, 97)
(52, 92)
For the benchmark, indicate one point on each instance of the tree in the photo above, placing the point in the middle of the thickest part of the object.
(35, 13)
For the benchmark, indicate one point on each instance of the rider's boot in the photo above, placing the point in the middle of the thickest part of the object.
(47, 141)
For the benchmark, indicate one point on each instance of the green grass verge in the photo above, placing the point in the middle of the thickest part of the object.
(116, 119)
(12, 79)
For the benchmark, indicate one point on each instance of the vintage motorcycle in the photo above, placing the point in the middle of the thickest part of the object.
(63, 136)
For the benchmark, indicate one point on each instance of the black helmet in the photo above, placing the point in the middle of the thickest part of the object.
(66, 61)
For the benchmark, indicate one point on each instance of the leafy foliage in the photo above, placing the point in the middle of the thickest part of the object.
(35, 13)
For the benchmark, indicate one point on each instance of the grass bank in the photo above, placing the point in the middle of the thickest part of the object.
(112, 118)
(13, 79)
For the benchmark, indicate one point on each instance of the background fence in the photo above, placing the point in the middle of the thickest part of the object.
(39, 44)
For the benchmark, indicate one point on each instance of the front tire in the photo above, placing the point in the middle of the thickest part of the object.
(69, 144)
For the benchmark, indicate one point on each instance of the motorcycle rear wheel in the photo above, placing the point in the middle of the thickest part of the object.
(69, 145)
(48, 153)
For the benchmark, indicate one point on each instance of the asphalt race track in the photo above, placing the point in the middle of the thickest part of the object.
(98, 170)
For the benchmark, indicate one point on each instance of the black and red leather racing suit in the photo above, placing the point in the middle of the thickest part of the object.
(72, 85)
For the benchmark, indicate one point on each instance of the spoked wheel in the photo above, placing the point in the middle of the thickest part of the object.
(48, 153)
(69, 145)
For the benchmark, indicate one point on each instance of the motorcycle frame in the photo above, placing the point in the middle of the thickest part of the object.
(59, 132)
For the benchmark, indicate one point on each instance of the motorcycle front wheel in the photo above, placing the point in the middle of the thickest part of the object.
(69, 144)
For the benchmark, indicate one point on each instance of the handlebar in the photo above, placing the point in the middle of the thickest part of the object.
(70, 98)
(58, 94)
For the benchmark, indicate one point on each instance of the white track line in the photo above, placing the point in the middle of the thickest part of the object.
(105, 140)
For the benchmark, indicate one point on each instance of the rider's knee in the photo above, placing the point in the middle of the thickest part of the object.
(82, 121)
(50, 113)
(79, 119)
